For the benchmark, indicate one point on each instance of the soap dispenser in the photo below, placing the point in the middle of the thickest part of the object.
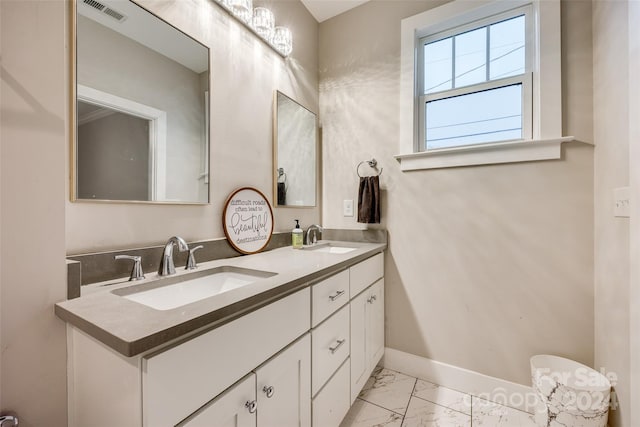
(296, 236)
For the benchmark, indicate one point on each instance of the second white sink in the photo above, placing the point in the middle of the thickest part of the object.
(334, 249)
(329, 248)
(181, 290)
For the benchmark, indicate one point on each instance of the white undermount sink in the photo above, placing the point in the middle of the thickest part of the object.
(329, 248)
(177, 291)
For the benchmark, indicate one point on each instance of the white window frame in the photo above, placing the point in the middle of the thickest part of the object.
(524, 79)
(545, 134)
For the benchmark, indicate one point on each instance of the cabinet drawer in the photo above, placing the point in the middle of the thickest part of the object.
(329, 347)
(328, 296)
(181, 379)
(332, 403)
(365, 273)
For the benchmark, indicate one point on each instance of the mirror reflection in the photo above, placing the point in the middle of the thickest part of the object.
(142, 107)
(295, 153)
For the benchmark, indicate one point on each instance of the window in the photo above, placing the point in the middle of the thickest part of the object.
(480, 78)
(474, 83)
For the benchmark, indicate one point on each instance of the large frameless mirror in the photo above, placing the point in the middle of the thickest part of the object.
(142, 107)
(295, 153)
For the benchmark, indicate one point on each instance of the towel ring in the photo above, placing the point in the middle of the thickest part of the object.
(373, 163)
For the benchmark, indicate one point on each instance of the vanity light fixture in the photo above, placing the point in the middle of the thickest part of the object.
(262, 23)
(282, 40)
(241, 9)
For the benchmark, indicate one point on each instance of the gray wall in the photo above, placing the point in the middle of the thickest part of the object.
(487, 265)
(244, 74)
(33, 150)
(634, 171)
(611, 134)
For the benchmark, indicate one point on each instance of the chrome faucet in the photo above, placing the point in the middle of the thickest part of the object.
(136, 271)
(315, 228)
(167, 267)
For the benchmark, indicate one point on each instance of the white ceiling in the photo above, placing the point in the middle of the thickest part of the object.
(152, 32)
(325, 9)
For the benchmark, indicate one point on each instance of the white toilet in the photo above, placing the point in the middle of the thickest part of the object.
(570, 394)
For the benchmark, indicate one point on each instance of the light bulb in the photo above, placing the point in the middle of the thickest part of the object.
(242, 9)
(282, 40)
(263, 22)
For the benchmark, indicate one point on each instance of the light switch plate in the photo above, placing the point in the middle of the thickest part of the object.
(347, 207)
(621, 202)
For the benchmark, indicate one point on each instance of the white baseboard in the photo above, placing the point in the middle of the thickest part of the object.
(500, 391)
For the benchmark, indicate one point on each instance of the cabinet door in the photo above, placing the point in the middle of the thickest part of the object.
(284, 387)
(236, 407)
(359, 361)
(367, 335)
(375, 322)
(332, 403)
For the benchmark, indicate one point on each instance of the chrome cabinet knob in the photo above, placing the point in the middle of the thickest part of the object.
(268, 390)
(251, 406)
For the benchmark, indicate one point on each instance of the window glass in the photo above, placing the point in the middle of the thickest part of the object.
(437, 65)
(507, 48)
(479, 117)
(471, 57)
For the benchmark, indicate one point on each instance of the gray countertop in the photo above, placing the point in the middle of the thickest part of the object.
(131, 328)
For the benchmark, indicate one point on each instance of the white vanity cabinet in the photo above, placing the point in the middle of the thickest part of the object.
(277, 394)
(299, 361)
(347, 345)
(167, 386)
(179, 380)
(330, 345)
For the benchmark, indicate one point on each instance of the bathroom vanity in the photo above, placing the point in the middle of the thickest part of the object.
(293, 347)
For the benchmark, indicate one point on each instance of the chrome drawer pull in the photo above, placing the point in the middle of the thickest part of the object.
(251, 406)
(336, 296)
(337, 346)
(268, 390)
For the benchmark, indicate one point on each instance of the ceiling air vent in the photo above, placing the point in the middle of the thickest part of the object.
(106, 10)
(94, 4)
(114, 14)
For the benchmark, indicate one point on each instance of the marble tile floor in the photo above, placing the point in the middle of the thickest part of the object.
(393, 399)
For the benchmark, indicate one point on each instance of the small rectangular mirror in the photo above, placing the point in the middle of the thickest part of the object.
(295, 140)
(142, 106)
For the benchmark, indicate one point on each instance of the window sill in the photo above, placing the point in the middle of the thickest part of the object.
(487, 154)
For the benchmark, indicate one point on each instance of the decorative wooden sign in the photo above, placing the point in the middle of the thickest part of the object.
(247, 220)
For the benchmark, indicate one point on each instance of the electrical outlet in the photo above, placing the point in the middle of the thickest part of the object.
(621, 202)
(347, 207)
